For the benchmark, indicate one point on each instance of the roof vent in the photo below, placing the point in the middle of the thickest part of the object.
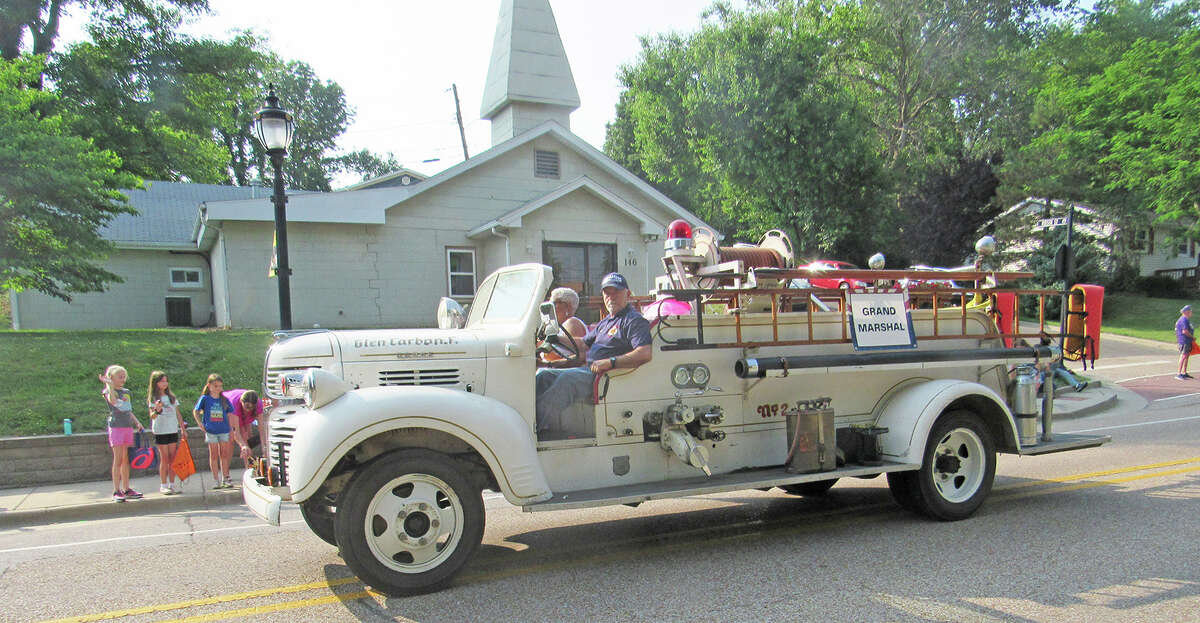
(545, 164)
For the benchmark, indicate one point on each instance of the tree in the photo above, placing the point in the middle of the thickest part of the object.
(56, 189)
(1116, 115)
(39, 20)
(742, 118)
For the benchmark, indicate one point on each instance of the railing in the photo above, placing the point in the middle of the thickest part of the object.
(1189, 276)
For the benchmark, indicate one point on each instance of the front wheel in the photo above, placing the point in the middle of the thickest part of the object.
(318, 514)
(957, 469)
(409, 521)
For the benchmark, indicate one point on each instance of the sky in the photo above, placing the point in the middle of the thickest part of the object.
(396, 60)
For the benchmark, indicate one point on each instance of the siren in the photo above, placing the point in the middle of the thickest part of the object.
(679, 238)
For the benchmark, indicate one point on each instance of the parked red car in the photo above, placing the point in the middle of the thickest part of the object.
(832, 282)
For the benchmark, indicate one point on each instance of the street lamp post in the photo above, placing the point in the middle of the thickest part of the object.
(273, 126)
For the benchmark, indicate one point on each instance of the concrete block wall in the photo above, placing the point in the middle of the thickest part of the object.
(85, 457)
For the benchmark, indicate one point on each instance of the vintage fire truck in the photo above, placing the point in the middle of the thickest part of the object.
(387, 438)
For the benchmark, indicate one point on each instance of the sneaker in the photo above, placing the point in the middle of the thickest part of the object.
(118, 496)
(130, 494)
(219, 485)
(228, 483)
(176, 489)
(1082, 386)
(1181, 377)
(165, 490)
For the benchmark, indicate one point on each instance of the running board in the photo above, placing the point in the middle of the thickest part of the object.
(762, 478)
(1063, 442)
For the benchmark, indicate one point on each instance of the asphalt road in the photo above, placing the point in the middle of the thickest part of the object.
(1107, 534)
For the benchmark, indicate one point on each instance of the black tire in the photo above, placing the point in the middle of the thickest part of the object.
(903, 486)
(317, 514)
(814, 488)
(957, 468)
(422, 505)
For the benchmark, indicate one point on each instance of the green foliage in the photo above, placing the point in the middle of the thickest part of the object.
(1139, 316)
(742, 118)
(55, 191)
(31, 26)
(1116, 114)
(51, 375)
(1161, 286)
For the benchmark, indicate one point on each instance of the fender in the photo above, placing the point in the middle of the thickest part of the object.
(496, 431)
(910, 411)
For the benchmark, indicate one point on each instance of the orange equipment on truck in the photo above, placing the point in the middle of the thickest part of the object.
(1085, 307)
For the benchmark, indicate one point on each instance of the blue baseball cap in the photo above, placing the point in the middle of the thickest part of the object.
(614, 280)
(1186, 308)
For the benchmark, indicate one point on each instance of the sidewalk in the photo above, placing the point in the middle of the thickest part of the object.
(25, 506)
(93, 500)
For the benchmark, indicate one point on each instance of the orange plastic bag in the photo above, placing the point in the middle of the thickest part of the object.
(183, 465)
(1195, 348)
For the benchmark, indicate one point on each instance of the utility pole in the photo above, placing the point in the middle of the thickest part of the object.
(462, 133)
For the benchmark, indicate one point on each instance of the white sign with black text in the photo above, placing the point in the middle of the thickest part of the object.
(880, 320)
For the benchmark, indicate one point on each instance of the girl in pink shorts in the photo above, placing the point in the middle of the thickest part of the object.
(121, 421)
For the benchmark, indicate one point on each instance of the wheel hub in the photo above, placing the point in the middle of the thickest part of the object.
(947, 464)
(415, 521)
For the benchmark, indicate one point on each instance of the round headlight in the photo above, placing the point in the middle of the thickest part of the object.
(680, 377)
(700, 375)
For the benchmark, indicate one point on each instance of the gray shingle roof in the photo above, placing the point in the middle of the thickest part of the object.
(167, 211)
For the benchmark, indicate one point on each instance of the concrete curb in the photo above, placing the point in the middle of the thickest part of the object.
(152, 503)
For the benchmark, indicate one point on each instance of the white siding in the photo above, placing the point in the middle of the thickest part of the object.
(138, 302)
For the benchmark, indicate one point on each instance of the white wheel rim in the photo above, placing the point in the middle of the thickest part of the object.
(958, 465)
(414, 523)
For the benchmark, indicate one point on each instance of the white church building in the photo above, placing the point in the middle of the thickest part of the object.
(383, 252)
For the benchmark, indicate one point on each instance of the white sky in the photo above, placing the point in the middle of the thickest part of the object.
(396, 59)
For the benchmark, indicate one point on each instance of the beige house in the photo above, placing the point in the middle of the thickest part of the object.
(383, 252)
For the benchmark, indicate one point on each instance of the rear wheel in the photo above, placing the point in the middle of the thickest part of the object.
(817, 487)
(957, 469)
(409, 521)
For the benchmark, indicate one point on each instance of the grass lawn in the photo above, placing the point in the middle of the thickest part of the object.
(1139, 316)
(51, 375)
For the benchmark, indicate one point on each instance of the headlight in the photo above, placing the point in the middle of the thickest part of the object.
(314, 386)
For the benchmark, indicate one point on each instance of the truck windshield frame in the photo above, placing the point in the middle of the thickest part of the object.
(504, 298)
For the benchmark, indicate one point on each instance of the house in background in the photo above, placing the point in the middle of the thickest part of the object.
(381, 253)
(1156, 249)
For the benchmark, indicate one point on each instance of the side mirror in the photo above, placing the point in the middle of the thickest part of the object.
(450, 315)
(549, 319)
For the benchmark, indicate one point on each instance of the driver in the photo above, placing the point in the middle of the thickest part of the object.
(565, 301)
(620, 340)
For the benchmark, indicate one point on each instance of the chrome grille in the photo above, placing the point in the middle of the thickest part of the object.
(281, 449)
(271, 378)
(433, 376)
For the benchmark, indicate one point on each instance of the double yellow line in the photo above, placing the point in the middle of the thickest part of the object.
(1011, 491)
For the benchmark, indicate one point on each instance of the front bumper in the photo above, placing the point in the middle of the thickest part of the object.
(263, 500)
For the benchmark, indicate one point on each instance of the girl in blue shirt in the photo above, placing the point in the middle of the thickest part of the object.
(212, 413)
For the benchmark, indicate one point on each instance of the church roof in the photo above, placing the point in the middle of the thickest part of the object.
(528, 63)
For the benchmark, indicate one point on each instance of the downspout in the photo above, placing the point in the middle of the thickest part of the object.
(507, 259)
(14, 309)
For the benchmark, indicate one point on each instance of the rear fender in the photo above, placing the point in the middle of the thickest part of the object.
(492, 429)
(910, 411)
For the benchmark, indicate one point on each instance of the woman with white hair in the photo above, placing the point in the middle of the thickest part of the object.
(565, 301)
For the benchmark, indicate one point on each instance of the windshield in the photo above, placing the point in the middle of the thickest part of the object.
(504, 297)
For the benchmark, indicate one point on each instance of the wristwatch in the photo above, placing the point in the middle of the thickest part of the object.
(612, 361)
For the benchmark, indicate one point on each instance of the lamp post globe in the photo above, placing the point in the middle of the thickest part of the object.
(273, 126)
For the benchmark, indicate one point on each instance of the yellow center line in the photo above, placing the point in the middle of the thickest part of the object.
(1122, 470)
(207, 601)
(831, 518)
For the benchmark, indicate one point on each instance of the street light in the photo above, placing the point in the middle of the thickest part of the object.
(273, 127)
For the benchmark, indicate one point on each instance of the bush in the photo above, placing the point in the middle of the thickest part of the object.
(1162, 287)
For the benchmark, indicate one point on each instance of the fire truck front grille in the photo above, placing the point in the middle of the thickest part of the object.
(271, 379)
(281, 449)
(440, 376)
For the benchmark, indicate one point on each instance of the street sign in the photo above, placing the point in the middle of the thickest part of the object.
(1050, 223)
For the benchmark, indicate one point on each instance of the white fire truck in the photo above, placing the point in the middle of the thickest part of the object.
(758, 379)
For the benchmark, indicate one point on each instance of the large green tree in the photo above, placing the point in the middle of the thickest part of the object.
(32, 26)
(1116, 118)
(56, 190)
(742, 119)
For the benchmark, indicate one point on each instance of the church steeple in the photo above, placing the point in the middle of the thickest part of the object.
(529, 80)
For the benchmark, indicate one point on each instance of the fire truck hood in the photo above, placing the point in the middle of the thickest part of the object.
(409, 344)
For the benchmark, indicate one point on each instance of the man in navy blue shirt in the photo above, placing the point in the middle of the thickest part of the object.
(620, 340)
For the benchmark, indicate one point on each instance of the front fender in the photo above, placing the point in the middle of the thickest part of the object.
(497, 432)
(910, 411)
